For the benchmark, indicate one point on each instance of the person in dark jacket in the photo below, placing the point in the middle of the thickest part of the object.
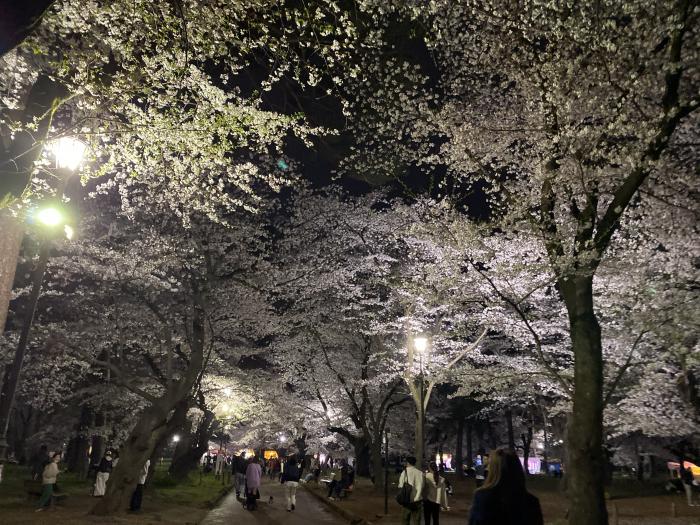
(103, 472)
(290, 479)
(39, 461)
(503, 500)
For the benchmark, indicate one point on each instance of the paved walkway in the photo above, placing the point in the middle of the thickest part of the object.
(308, 510)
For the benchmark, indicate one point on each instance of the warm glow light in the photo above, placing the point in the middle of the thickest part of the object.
(68, 152)
(69, 232)
(421, 344)
(176, 438)
(49, 216)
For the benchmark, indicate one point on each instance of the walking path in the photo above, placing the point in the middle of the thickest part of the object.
(308, 510)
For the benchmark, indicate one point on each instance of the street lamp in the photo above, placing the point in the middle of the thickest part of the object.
(176, 438)
(49, 216)
(421, 344)
(68, 153)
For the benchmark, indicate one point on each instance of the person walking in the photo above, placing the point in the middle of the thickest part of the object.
(503, 499)
(137, 495)
(480, 471)
(48, 480)
(687, 480)
(415, 478)
(103, 472)
(290, 479)
(435, 495)
(253, 474)
(238, 466)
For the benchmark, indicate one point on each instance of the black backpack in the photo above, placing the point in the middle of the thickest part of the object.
(404, 498)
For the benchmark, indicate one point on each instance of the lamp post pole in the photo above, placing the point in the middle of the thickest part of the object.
(386, 471)
(12, 372)
(422, 411)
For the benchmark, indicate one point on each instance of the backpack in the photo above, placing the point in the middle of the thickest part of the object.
(404, 498)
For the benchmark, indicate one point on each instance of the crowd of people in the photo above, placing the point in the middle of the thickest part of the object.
(44, 467)
(501, 499)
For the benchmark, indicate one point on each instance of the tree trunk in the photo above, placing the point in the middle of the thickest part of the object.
(586, 465)
(459, 458)
(148, 430)
(527, 441)
(509, 424)
(493, 440)
(545, 450)
(470, 451)
(377, 463)
(197, 446)
(11, 232)
(419, 442)
(153, 425)
(362, 457)
(639, 460)
(80, 443)
(156, 457)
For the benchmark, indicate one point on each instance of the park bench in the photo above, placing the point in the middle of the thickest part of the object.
(34, 489)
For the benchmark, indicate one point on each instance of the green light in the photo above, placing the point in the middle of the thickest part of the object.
(49, 216)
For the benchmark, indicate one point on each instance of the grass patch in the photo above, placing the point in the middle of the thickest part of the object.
(194, 492)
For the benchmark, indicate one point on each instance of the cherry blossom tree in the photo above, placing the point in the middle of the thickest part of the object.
(564, 116)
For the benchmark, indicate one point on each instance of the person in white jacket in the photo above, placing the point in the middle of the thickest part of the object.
(416, 479)
(435, 495)
(48, 480)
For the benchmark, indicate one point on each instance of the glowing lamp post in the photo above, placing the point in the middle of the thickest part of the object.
(68, 153)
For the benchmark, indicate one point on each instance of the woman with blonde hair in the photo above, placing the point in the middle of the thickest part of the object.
(503, 500)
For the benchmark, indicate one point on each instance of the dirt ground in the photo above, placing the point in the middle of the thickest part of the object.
(633, 510)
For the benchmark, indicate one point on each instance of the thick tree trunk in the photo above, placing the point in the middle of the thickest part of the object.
(196, 446)
(493, 440)
(509, 425)
(11, 232)
(137, 449)
(459, 458)
(586, 467)
(153, 425)
(362, 458)
(80, 442)
(377, 463)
